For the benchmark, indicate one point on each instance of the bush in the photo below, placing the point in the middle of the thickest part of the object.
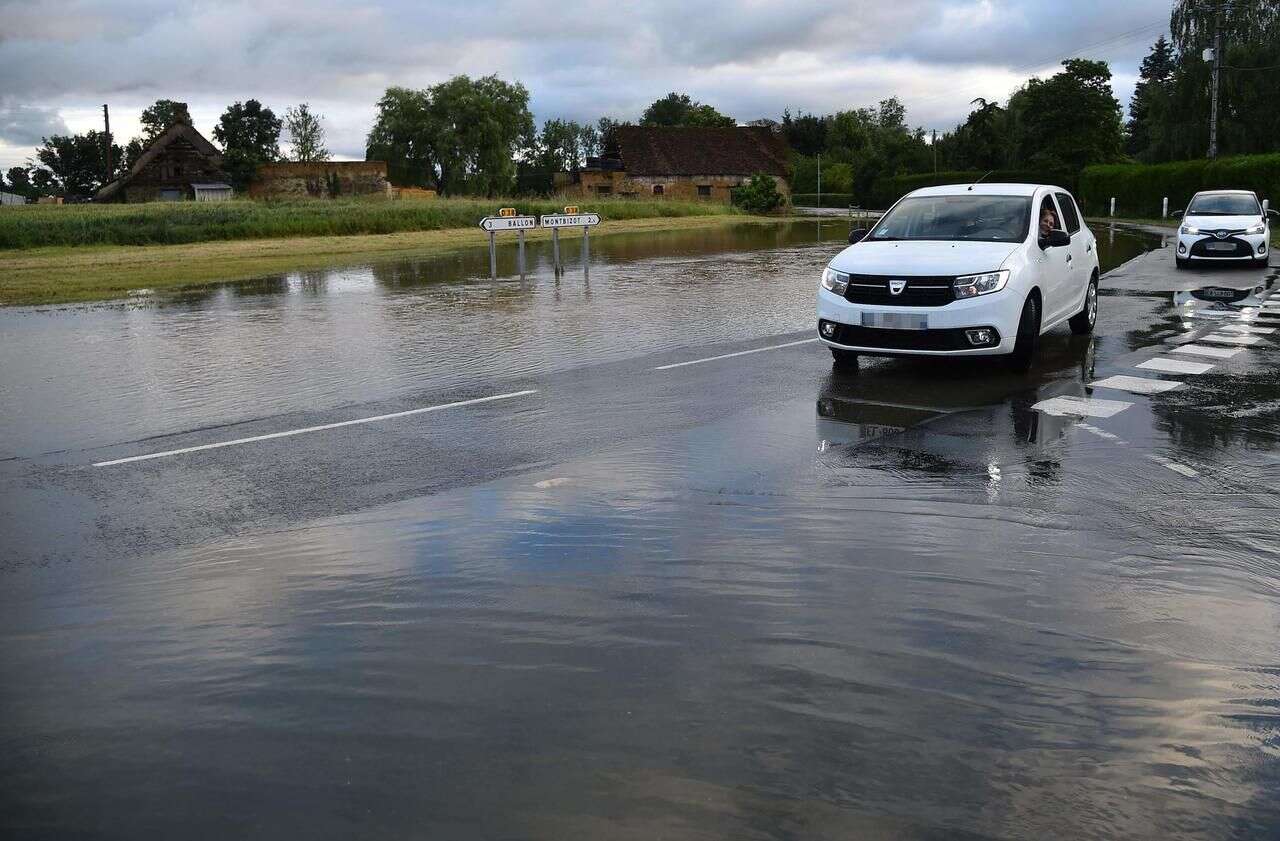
(760, 195)
(886, 191)
(1139, 189)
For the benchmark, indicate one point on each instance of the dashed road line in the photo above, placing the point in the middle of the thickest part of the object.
(1138, 385)
(731, 355)
(1225, 339)
(1203, 350)
(1175, 366)
(1081, 407)
(306, 429)
(1248, 329)
(1170, 464)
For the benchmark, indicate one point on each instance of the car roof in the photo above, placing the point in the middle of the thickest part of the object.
(1227, 193)
(984, 189)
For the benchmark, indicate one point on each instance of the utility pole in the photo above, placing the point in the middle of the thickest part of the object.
(819, 179)
(934, 144)
(106, 125)
(1217, 65)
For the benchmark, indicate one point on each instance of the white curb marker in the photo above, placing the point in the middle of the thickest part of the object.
(1175, 366)
(1138, 385)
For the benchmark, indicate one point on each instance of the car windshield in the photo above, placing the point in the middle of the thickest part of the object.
(969, 218)
(1224, 204)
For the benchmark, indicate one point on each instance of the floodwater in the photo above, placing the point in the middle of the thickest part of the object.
(83, 376)
(784, 603)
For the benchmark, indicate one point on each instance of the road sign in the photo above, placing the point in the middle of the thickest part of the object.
(506, 211)
(571, 209)
(565, 220)
(508, 223)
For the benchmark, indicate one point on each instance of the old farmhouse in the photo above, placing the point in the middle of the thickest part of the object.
(179, 164)
(682, 163)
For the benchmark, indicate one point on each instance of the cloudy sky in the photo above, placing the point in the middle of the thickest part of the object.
(580, 59)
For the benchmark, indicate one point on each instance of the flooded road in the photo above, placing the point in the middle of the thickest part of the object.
(681, 581)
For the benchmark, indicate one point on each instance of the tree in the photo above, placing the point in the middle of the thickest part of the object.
(20, 181)
(461, 135)
(75, 164)
(805, 133)
(607, 130)
(157, 119)
(1154, 80)
(1068, 121)
(678, 109)
(250, 136)
(760, 195)
(306, 135)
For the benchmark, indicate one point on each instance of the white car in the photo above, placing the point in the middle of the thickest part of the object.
(1224, 226)
(962, 270)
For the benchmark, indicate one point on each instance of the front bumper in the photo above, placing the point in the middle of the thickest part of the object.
(1211, 249)
(943, 336)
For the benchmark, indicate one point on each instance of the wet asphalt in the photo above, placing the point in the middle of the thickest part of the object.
(686, 587)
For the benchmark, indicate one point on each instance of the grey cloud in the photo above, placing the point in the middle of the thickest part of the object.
(25, 125)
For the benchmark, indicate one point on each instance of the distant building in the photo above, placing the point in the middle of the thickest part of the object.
(180, 164)
(12, 198)
(681, 163)
(321, 179)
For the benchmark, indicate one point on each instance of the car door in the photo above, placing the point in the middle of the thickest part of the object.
(1055, 264)
(1080, 266)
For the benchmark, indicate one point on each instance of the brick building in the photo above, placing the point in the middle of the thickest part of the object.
(179, 164)
(681, 163)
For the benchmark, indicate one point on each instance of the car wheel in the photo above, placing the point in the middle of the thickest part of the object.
(844, 360)
(1261, 262)
(1083, 321)
(1024, 347)
(1180, 263)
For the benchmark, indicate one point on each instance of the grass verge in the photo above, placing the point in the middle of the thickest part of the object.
(67, 274)
(172, 223)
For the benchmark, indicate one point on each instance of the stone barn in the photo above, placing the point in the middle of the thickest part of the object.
(179, 164)
(320, 180)
(684, 163)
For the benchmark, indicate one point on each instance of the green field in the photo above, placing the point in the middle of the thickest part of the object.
(174, 223)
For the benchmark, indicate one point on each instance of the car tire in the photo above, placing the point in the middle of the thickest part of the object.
(1024, 347)
(1083, 321)
(1261, 262)
(844, 360)
(1180, 263)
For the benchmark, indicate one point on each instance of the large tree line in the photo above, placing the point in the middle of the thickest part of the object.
(248, 131)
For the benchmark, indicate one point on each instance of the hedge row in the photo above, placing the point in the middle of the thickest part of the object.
(886, 191)
(1139, 189)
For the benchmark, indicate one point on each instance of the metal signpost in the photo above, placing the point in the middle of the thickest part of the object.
(506, 220)
(571, 218)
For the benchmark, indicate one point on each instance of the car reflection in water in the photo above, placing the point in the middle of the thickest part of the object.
(952, 416)
(1218, 302)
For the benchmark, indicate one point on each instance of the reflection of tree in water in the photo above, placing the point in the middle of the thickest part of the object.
(1222, 411)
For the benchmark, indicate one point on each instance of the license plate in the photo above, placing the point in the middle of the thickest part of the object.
(895, 320)
(1219, 246)
(1218, 293)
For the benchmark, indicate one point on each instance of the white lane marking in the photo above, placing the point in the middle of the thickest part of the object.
(731, 355)
(1225, 339)
(1138, 385)
(1203, 350)
(1081, 407)
(304, 430)
(1175, 366)
(1101, 433)
(1246, 328)
(1173, 465)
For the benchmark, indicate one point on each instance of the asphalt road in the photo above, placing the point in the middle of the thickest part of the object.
(716, 590)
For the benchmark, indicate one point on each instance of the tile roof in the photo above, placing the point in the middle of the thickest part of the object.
(664, 150)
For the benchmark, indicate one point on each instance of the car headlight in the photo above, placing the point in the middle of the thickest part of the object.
(1259, 228)
(834, 281)
(1188, 229)
(981, 284)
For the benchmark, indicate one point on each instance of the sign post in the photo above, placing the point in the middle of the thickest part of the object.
(506, 220)
(571, 218)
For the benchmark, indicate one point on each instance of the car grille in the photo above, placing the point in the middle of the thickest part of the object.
(1240, 248)
(878, 337)
(928, 291)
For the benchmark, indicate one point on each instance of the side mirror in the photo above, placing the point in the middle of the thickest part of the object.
(858, 235)
(1176, 214)
(1056, 239)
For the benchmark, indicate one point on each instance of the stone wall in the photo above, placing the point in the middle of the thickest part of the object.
(718, 188)
(322, 180)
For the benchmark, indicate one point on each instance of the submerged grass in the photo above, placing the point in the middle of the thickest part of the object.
(65, 274)
(173, 223)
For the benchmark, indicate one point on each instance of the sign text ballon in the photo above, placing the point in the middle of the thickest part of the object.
(564, 220)
(508, 223)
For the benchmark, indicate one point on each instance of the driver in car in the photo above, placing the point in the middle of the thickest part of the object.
(1048, 221)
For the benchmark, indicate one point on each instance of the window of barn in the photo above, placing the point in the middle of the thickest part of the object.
(704, 189)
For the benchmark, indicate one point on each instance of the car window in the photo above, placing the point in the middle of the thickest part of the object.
(1047, 215)
(1069, 214)
(1224, 204)
(956, 218)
